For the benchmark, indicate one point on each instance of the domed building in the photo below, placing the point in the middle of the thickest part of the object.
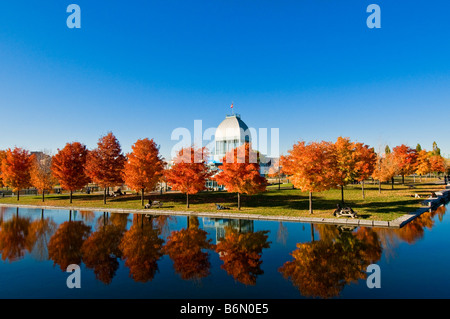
(231, 133)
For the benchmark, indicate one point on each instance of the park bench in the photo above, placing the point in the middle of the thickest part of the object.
(220, 207)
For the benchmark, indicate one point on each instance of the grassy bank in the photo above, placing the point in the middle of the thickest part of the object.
(388, 205)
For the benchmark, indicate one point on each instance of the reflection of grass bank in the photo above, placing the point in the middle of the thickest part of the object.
(386, 206)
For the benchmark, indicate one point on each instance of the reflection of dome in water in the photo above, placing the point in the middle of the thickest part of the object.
(231, 133)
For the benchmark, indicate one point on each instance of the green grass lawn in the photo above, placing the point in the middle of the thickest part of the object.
(386, 206)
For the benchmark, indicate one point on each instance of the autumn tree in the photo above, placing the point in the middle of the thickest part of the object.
(144, 167)
(437, 164)
(2, 157)
(240, 172)
(68, 166)
(15, 169)
(365, 161)
(41, 173)
(423, 166)
(312, 167)
(406, 159)
(189, 172)
(385, 169)
(345, 163)
(104, 164)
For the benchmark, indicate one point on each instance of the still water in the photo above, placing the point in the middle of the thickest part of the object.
(138, 256)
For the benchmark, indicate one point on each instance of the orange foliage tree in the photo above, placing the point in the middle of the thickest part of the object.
(423, 163)
(311, 167)
(15, 169)
(406, 159)
(144, 167)
(2, 157)
(365, 163)
(41, 173)
(240, 172)
(189, 172)
(241, 254)
(385, 169)
(345, 163)
(437, 164)
(104, 164)
(68, 167)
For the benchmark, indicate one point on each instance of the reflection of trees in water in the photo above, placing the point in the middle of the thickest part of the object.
(323, 268)
(64, 247)
(241, 254)
(101, 249)
(42, 230)
(413, 231)
(15, 238)
(142, 248)
(185, 246)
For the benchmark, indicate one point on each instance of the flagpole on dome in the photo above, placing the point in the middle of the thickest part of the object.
(232, 110)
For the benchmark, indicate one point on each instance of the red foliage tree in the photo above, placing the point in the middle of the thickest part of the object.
(15, 169)
(41, 174)
(68, 166)
(240, 172)
(104, 164)
(311, 167)
(406, 158)
(365, 161)
(189, 172)
(144, 167)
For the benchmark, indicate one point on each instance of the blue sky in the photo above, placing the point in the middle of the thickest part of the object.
(140, 69)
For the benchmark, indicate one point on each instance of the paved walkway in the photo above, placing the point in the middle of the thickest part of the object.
(428, 204)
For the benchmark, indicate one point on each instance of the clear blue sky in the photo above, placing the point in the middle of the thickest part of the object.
(140, 69)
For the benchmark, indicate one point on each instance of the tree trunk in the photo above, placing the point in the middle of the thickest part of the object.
(142, 197)
(279, 183)
(379, 186)
(403, 179)
(18, 191)
(43, 195)
(342, 194)
(392, 183)
(362, 186)
(104, 196)
(187, 200)
(310, 203)
(71, 197)
(239, 201)
(70, 215)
